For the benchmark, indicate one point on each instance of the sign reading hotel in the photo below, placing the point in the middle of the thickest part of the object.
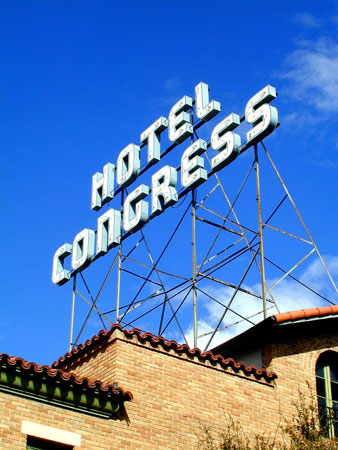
(146, 202)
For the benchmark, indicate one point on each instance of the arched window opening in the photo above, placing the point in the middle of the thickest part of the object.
(327, 391)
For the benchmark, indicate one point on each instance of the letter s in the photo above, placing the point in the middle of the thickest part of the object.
(262, 116)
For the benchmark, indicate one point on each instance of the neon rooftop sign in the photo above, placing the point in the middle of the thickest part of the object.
(113, 226)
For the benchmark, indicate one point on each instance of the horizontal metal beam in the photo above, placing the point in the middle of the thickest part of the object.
(233, 286)
(287, 233)
(209, 222)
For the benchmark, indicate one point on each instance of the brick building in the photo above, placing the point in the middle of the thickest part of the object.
(168, 389)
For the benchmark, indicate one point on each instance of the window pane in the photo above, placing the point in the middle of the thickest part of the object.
(327, 366)
(320, 387)
(334, 373)
(321, 402)
(334, 390)
(320, 368)
(40, 444)
(335, 418)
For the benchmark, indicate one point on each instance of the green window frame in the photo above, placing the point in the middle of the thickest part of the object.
(327, 391)
(41, 444)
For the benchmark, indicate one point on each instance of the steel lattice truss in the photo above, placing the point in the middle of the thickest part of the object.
(218, 259)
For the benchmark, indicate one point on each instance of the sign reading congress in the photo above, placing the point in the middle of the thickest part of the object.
(145, 202)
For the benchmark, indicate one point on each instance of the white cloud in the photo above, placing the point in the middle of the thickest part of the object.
(173, 89)
(316, 276)
(325, 163)
(204, 328)
(307, 20)
(173, 84)
(288, 294)
(312, 73)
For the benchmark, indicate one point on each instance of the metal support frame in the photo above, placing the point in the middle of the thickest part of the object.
(260, 230)
(168, 300)
(300, 218)
(194, 270)
(118, 281)
(72, 315)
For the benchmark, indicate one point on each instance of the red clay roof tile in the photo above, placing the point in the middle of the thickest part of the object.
(306, 313)
(67, 377)
(156, 340)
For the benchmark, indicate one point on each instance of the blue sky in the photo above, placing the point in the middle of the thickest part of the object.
(81, 80)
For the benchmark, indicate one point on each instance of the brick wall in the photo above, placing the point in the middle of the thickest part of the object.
(294, 360)
(173, 394)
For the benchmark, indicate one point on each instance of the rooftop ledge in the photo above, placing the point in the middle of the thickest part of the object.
(59, 388)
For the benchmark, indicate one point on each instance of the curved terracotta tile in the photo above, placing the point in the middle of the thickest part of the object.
(306, 313)
(156, 340)
(65, 376)
(179, 348)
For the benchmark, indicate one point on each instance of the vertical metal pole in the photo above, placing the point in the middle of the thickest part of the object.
(194, 272)
(72, 315)
(260, 231)
(118, 285)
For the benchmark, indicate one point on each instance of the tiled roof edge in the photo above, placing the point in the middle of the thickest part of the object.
(306, 313)
(67, 377)
(167, 345)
